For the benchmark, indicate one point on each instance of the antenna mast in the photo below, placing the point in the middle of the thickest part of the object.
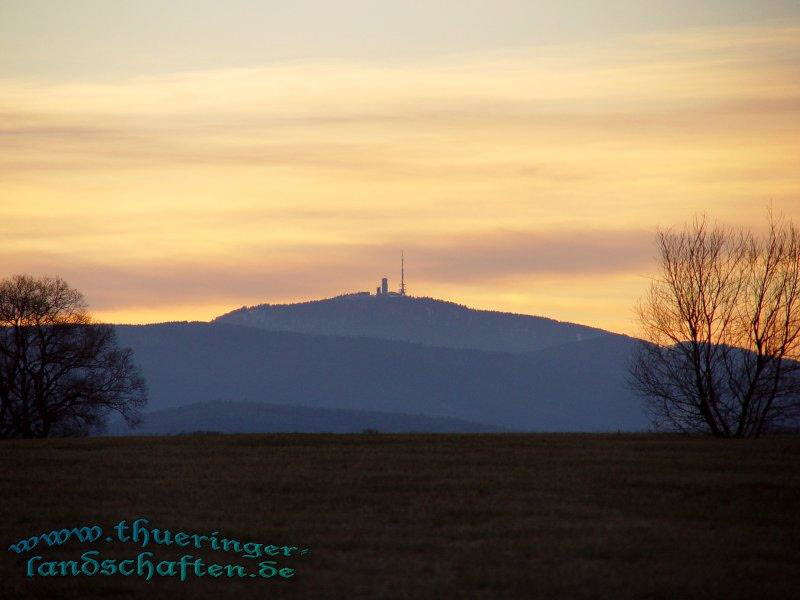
(402, 274)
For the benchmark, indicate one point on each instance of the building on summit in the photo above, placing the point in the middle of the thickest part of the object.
(383, 288)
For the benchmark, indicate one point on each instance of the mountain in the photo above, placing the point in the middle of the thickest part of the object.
(424, 320)
(257, 417)
(579, 386)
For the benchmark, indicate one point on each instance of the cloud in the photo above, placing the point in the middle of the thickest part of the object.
(503, 254)
(263, 275)
(341, 114)
(304, 179)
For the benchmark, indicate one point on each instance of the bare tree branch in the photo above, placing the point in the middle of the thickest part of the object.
(60, 374)
(721, 326)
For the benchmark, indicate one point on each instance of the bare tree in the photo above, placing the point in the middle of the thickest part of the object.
(721, 326)
(60, 374)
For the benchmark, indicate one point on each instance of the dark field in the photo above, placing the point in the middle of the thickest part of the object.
(421, 516)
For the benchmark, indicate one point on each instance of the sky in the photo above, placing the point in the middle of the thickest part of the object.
(174, 161)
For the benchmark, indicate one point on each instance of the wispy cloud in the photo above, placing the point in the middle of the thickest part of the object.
(261, 273)
(305, 178)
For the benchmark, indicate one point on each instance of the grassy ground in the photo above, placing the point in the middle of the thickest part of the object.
(421, 516)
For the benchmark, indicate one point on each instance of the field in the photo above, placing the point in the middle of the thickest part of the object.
(418, 516)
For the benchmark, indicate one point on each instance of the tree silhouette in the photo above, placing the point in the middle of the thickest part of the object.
(721, 325)
(60, 374)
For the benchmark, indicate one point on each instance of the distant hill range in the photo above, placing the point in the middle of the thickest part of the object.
(424, 320)
(391, 354)
(258, 417)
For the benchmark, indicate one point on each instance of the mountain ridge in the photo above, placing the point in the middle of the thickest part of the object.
(425, 320)
(570, 388)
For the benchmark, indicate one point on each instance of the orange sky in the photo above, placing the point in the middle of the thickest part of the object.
(528, 178)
